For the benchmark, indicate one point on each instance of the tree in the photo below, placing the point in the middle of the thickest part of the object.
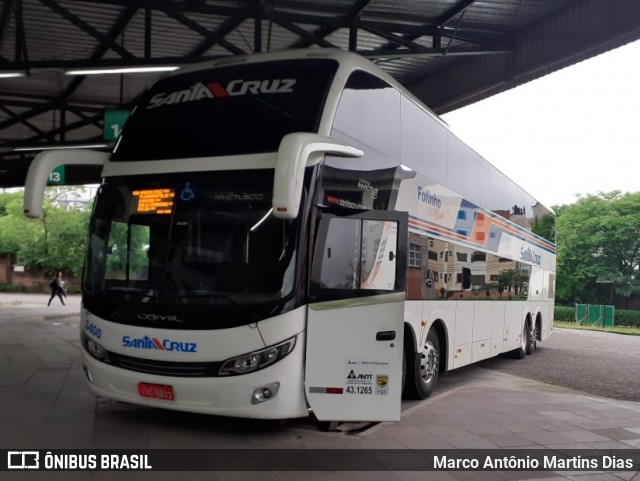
(508, 279)
(599, 248)
(545, 227)
(56, 241)
(66, 241)
(16, 231)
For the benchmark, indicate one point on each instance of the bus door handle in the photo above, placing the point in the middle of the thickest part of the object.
(385, 335)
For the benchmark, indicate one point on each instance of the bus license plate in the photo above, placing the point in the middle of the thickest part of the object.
(156, 391)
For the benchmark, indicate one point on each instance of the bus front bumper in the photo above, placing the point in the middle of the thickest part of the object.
(223, 396)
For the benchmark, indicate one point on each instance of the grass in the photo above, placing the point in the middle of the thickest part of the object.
(618, 329)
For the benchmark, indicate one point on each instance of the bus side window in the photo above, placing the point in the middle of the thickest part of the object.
(358, 254)
(466, 278)
(340, 255)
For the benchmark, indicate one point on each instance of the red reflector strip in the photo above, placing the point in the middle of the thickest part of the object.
(326, 390)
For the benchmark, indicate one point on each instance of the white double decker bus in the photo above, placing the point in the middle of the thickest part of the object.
(293, 232)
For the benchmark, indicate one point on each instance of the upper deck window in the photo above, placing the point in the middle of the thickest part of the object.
(240, 109)
(368, 117)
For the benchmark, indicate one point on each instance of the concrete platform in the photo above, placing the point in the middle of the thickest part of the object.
(44, 405)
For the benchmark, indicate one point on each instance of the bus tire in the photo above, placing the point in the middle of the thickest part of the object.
(524, 342)
(404, 369)
(422, 369)
(533, 339)
(328, 426)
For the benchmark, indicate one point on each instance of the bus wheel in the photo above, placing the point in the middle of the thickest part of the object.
(422, 375)
(533, 337)
(328, 426)
(404, 369)
(524, 342)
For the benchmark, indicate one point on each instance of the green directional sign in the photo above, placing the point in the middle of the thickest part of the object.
(56, 177)
(114, 120)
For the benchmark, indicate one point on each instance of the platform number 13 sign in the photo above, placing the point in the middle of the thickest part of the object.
(56, 177)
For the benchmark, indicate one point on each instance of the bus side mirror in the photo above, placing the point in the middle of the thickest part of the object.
(297, 151)
(41, 168)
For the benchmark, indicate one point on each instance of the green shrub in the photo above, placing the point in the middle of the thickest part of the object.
(564, 314)
(11, 288)
(73, 289)
(622, 317)
(627, 318)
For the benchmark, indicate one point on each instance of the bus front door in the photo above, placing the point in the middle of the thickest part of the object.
(353, 368)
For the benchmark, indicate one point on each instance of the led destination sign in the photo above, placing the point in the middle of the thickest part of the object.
(154, 201)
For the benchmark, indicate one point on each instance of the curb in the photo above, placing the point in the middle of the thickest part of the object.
(54, 317)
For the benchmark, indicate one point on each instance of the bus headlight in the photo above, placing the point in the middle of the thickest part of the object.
(254, 361)
(95, 349)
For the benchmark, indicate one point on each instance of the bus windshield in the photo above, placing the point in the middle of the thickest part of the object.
(243, 109)
(188, 240)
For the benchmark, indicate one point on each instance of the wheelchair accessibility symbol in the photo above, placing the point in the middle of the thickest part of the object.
(187, 193)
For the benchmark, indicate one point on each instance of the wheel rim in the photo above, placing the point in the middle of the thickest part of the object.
(429, 362)
(525, 341)
(533, 336)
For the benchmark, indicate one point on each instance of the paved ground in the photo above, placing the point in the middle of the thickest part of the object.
(600, 363)
(44, 405)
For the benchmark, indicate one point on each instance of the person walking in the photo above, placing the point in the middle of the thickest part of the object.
(57, 289)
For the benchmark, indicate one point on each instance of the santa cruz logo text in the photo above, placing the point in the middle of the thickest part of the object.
(147, 342)
(211, 90)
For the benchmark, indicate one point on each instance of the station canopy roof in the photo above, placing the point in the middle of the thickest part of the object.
(449, 53)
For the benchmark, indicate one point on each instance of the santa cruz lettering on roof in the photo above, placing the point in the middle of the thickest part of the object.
(212, 90)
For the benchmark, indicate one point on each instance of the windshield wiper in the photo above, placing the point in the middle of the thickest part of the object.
(251, 315)
(125, 289)
(144, 293)
(271, 106)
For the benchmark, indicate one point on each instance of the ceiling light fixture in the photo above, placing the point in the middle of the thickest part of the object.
(59, 147)
(12, 74)
(119, 70)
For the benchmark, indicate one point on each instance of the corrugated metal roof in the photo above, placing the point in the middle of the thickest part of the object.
(413, 40)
